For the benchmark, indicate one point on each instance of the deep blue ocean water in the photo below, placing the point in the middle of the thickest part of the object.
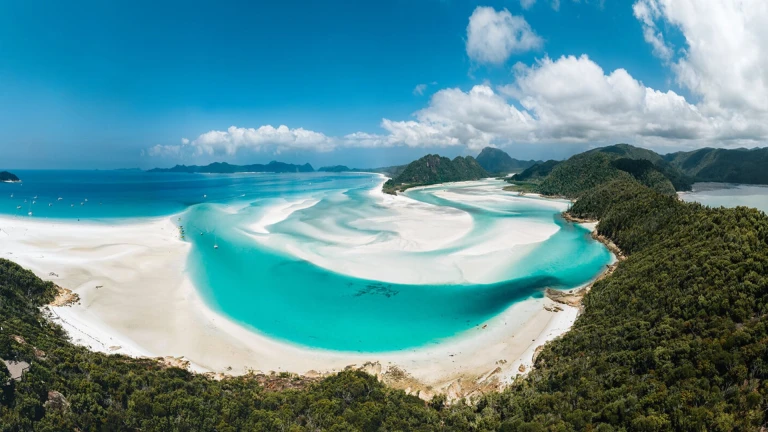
(276, 293)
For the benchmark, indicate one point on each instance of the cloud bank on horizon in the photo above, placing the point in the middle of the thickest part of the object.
(723, 66)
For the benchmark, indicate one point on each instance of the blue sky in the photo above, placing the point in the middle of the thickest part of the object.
(98, 84)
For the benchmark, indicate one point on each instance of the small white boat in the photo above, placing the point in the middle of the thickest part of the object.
(86, 200)
(215, 246)
(18, 207)
(30, 213)
(50, 204)
(82, 203)
(60, 198)
(33, 202)
(205, 196)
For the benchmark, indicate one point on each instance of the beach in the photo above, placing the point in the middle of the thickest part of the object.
(137, 299)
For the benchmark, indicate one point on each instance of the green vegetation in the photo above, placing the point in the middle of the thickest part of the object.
(6, 176)
(536, 171)
(722, 165)
(433, 169)
(497, 161)
(225, 168)
(582, 172)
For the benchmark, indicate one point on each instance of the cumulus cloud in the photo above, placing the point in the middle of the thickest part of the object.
(526, 4)
(725, 61)
(566, 100)
(234, 139)
(492, 37)
(419, 89)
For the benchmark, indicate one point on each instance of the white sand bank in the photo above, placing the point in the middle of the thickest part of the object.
(404, 231)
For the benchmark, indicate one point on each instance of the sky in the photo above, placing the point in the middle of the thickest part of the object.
(94, 84)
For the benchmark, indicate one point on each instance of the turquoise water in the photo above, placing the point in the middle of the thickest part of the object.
(729, 195)
(272, 291)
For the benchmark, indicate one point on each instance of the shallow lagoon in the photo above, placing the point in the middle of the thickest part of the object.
(288, 279)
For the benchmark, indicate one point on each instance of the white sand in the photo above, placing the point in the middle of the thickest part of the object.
(136, 299)
(398, 237)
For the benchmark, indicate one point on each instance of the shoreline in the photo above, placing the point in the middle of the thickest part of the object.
(128, 278)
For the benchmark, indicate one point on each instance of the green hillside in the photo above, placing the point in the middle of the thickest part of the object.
(497, 161)
(584, 171)
(680, 180)
(433, 169)
(723, 165)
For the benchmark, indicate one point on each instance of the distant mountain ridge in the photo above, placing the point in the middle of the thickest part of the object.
(225, 168)
(434, 169)
(497, 161)
(748, 166)
(585, 171)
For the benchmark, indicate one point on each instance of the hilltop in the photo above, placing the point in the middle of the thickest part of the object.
(497, 161)
(225, 168)
(433, 169)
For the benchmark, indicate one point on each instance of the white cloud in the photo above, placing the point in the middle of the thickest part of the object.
(571, 99)
(234, 139)
(526, 4)
(492, 37)
(725, 61)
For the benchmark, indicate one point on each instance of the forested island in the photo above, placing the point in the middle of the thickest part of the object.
(6, 176)
(674, 339)
(225, 168)
(434, 169)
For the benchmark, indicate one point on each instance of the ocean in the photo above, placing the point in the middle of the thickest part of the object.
(322, 260)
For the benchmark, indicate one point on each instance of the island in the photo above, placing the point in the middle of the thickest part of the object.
(226, 168)
(8, 177)
(434, 169)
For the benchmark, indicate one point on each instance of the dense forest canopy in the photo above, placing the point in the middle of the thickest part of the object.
(433, 169)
